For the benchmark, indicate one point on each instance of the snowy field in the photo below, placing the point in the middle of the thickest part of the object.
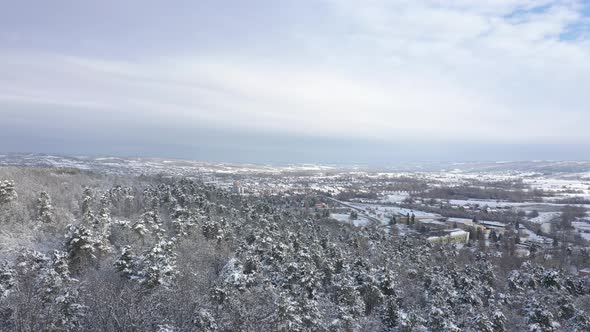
(552, 184)
(389, 210)
(489, 203)
(344, 217)
(585, 236)
(536, 238)
(395, 198)
(544, 217)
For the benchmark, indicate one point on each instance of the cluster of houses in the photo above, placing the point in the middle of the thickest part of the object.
(457, 230)
(440, 223)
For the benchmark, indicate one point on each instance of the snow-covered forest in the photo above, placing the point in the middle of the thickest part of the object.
(87, 251)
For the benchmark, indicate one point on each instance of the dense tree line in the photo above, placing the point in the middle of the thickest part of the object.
(170, 254)
(572, 200)
(484, 193)
(356, 194)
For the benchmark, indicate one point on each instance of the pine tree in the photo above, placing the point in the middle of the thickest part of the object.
(212, 230)
(149, 223)
(81, 245)
(159, 265)
(182, 221)
(493, 236)
(288, 317)
(7, 192)
(126, 263)
(540, 319)
(44, 208)
(56, 289)
(8, 280)
(102, 224)
(166, 328)
(205, 322)
(498, 321)
(87, 213)
(390, 314)
(392, 221)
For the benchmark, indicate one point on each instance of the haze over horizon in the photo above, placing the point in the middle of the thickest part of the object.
(329, 81)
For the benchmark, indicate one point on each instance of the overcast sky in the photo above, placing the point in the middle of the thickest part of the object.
(297, 81)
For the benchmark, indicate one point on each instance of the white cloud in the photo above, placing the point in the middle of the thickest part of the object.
(432, 70)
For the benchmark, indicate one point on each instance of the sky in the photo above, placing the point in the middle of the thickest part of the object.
(324, 81)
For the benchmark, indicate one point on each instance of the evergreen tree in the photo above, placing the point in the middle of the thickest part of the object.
(8, 280)
(87, 213)
(44, 208)
(81, 246)
(7, 192)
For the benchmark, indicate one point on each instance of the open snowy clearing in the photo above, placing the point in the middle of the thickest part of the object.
(343, 217)
(545, 217)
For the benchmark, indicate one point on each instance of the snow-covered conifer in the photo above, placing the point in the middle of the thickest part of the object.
(7, 192)
(45, 208)
(81, 245)
(7, 280)
(159, 265)
(205, 322)
(126, 263)
(87, 212)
